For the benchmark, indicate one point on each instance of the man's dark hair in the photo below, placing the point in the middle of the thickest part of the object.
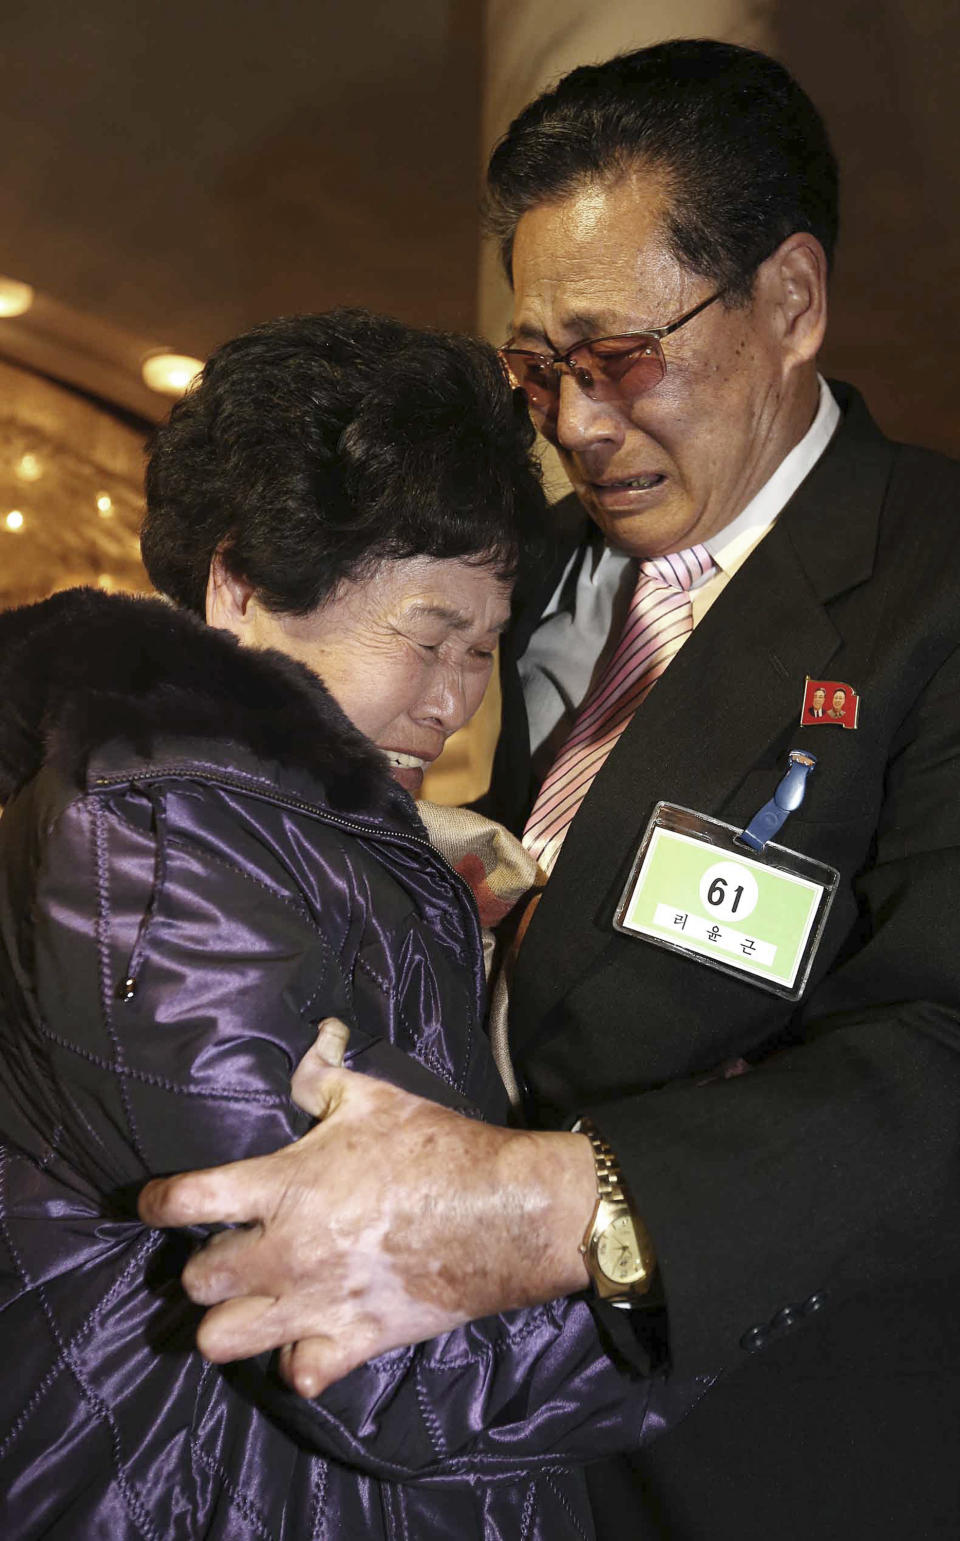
(744, 152)
(314, 447)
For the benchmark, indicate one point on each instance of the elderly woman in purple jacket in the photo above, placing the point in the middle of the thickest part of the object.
(205, 851)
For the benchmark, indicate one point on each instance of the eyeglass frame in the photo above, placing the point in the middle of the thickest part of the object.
(562, 360)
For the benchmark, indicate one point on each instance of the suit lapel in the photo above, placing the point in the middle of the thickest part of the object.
(729, 694)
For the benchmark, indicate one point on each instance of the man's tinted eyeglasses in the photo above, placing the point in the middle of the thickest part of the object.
(616, 369)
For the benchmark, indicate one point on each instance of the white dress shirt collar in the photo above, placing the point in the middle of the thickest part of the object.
(731, 546)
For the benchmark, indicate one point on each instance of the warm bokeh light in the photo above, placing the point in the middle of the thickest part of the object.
(71, 491)
(170, 373)
(15, 297)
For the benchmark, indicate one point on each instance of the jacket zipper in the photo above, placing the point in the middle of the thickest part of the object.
(315, 810)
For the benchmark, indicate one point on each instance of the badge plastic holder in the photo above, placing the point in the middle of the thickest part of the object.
(696, 889)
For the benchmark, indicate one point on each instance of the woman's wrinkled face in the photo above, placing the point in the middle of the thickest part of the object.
(406, 652)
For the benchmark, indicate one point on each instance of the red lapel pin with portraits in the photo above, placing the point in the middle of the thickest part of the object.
(829, 701)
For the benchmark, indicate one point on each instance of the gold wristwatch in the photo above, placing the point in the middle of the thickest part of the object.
(616, 1248)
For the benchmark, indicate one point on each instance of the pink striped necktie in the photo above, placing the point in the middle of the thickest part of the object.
(659, 621)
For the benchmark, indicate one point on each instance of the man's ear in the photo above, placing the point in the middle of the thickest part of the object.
(795, 282)
(228, 599)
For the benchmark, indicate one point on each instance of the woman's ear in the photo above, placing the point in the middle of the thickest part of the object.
(228, 599)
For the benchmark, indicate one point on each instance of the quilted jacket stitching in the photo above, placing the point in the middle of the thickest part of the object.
(246, 1507)
(430, 1419)
(97, 1407)
(144, 1248)
(423, 1051)
(150, 1078)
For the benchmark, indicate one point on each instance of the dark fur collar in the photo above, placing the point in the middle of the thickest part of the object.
(85, 668)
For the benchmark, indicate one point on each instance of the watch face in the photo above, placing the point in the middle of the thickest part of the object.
(618, 1254)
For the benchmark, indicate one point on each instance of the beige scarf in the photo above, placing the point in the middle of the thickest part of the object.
(504, 878)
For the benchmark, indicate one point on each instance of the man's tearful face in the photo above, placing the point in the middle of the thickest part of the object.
(678, 463)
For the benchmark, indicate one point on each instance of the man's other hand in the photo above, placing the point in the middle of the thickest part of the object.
(391, 1221)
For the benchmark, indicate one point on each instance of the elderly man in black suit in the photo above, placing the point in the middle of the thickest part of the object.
(788, 1231)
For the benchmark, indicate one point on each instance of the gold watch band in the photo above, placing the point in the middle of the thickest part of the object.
(611, 1195)
(609, 1182)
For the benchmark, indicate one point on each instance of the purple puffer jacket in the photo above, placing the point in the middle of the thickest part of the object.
(199, 858)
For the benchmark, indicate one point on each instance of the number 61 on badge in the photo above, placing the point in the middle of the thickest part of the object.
(695, 889)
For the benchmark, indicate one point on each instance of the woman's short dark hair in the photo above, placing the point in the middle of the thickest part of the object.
(744, 151)
(314, 447)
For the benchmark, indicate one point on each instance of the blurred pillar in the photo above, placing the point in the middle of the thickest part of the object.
(528, 45)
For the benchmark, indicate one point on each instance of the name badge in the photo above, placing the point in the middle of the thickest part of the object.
(696, 889)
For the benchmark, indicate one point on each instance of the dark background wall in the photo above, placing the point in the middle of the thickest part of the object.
(885, 75)
(186, 169)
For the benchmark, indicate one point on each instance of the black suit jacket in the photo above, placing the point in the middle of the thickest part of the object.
(805, 1214)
